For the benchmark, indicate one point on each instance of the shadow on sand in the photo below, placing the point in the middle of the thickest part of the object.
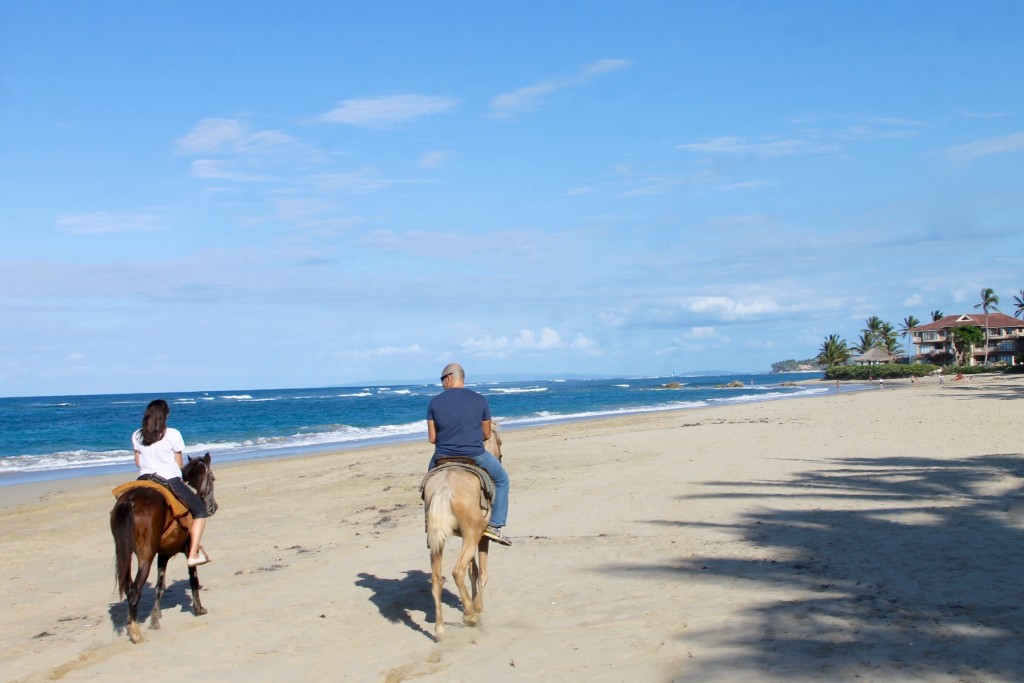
(176, 594)
(907, 570)
(397, 599)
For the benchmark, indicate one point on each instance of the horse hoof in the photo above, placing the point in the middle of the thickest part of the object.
(439, 633)
(154, 626)
(134, 634)
(200, 611)
(470, 620)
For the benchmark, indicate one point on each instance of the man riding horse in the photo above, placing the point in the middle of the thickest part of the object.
(458, 423)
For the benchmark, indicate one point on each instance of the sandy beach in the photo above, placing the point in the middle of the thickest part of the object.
(858, 536)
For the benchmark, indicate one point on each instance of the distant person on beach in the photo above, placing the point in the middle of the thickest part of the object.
(158, 450)
(458, 423)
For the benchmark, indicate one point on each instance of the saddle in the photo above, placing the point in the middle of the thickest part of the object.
(454, 462)
(179, 512)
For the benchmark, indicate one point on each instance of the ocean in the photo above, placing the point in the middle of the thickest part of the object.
(56, 437)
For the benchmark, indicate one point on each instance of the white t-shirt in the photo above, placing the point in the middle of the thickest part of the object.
(158, 458)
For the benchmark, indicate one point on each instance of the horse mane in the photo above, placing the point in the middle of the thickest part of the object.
(493, 444)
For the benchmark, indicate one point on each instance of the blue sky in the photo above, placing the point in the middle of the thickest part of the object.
(255, 195)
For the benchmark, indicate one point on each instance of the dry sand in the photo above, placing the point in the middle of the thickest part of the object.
(858, 536)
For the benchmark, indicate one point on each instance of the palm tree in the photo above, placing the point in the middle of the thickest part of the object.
(937, 315)
(871, 335)
(865, 343)
(888, 339)
(1019, 301)
(833, 351)
(909, 323)
(988, 302)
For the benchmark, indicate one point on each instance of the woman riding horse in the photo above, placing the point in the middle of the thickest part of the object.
(158, 450)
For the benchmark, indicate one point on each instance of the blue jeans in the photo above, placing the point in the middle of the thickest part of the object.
(492, 466)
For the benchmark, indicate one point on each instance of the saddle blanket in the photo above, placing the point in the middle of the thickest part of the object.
(486, 483)
(179, 511)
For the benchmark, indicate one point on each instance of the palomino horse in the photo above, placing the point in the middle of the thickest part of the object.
(138, 522)
(451, 499)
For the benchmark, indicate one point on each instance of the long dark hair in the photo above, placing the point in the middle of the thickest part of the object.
(154, 422)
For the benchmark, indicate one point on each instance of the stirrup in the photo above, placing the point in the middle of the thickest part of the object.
(494, 534)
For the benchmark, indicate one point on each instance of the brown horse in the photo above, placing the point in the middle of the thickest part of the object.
(138, 521)
(451, 499)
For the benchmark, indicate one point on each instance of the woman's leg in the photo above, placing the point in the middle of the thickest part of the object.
(196, 534)
(197, 509)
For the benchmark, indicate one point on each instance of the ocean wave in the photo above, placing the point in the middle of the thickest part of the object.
(68, 460)
(517, 390)
(544, 416)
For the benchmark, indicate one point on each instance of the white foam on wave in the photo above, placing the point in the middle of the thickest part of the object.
(518, 390)
(67, 460)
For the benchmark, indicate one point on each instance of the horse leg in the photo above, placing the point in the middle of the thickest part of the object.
(481, 574)
(193, 582)
(145, 560)
(470, 617)
(161, 574)
(437, 588)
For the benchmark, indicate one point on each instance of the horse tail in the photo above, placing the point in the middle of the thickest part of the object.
(122, 525)
(441, 522)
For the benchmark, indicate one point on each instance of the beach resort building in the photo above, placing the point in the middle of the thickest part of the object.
(1005, 338)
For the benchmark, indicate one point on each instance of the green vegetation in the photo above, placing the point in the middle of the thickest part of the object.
(795, 365)
(965, 338)
(886, 371)
(988, 301)
(833, 352)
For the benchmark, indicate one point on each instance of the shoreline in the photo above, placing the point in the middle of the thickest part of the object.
(859, 534)
(33, 476)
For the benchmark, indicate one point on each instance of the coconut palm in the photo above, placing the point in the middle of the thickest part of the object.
(909, 323)
(872, 334)
(988, 302)
(888, 339)
(833, 351)
(866, 342)
(1019, 302)
(937, 315)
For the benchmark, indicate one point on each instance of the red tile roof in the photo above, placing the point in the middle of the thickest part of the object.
(977, 319)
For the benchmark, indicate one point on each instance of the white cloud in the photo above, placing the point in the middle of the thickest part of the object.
(434, 159)
(391, 351)
(359, 181)
(748, 185)
(110, 222)
(210, 135)
(728, 308)
(698, 339)
(231, 136)
(531, 97)
(387, 111)
(701, 333)
(765, 147)
(219, 169)
(989, 146)
(546, 339)
(579, 191)
(913, 300)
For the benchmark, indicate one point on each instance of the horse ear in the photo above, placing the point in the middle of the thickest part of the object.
(206, 458)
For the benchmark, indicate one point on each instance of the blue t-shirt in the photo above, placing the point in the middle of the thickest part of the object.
(457, 415)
